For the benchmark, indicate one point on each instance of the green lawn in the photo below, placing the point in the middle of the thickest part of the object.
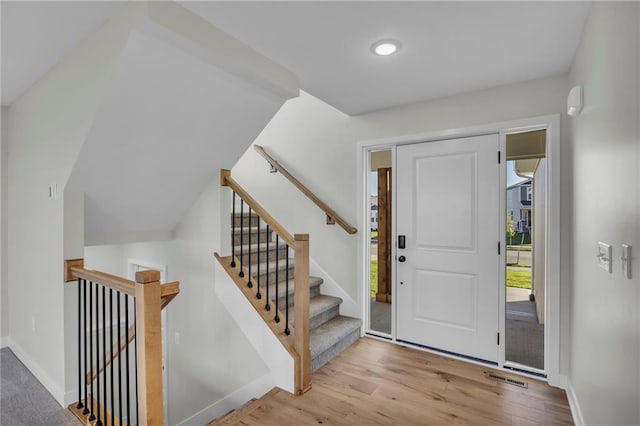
(374, 277)
(518, 278)
(519, 238)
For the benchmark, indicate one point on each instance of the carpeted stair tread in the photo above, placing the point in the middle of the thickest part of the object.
(317, 306)
(331, 333)
(280, 264)
(254, 247)
(313, 282)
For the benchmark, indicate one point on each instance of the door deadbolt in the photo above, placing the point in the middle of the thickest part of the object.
(402, 259)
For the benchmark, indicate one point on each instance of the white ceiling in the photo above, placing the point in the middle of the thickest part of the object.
(36, 35)
(448, 47)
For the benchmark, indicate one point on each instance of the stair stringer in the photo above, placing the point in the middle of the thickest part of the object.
(267, 345)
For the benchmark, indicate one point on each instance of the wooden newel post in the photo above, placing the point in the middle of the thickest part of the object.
(301, 309)
(149, 348)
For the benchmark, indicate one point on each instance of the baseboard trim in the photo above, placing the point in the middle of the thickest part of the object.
(4, 342)
(49, 384)
(576, 412)
(233, 401)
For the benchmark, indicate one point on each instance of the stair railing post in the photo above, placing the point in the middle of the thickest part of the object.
(149, 348)
(301, 309)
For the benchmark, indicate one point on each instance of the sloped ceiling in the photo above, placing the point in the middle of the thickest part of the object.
(168, 123)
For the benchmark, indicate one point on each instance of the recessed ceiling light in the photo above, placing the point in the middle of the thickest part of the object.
(385, 47)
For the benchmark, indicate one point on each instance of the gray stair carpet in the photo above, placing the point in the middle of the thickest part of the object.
(331, 333)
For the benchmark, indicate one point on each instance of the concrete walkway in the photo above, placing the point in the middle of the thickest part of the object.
(515, 294)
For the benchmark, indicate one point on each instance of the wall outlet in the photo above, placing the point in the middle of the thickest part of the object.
(176, 338)
(604, 256)
(33, 323)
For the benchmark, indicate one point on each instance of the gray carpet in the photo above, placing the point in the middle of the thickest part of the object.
(23, 400)
(525, 337)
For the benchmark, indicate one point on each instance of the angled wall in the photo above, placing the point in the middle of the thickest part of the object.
(130, 128)
(47, 127)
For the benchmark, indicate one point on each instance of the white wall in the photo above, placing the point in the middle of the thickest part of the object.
(47, 126)
(318, 145)
(213, 358)
(605, 356)
(4, 288)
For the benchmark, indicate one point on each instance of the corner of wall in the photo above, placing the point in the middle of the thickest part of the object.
(4, 290)
(576, 411)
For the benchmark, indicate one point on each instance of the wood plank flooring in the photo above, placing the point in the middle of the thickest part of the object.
(379, 383)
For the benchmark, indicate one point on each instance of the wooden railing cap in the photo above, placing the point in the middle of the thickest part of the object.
(144, 277)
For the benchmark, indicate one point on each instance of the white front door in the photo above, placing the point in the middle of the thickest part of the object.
(449, 212)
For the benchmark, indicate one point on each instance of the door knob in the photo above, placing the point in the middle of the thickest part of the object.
(402, 259)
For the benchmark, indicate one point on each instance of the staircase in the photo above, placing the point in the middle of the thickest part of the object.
(330, 332)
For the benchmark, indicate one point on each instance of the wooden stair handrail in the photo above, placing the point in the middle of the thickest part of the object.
(120, 284)
(227, 180)
(150, 297)
(332, 216)
(297, 343)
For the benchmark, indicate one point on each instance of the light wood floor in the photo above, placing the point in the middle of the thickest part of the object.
(379, 383)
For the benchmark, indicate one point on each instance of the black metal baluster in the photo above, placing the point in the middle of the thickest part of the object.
(126, 327)
(92, 417)
(286, 300)
(112, 355)
(233, 231)
(249, 283)
(86, 365)
(79, 346)
(267, 306)
(277, 317)
(241, 274)
(119, 357)
(135, 339)
(97, 376)
(258, 295)
(104, 352)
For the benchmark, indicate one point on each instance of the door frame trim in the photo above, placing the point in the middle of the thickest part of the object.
(552, 303)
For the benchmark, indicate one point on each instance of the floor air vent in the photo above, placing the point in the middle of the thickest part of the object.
(503, 379)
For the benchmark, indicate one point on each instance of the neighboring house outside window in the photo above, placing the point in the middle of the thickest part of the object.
(519, 205)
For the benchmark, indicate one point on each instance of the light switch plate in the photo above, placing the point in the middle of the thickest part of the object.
(604, 256)
(626, 261)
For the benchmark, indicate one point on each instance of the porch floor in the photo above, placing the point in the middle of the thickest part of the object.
(380, 383)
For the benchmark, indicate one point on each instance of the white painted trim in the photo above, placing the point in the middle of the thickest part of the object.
(574, 405)
(233, 401)
(502, 270)
(4, 342)
(364, 254)
(552, 304)
(47, 381)
(330, 287)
